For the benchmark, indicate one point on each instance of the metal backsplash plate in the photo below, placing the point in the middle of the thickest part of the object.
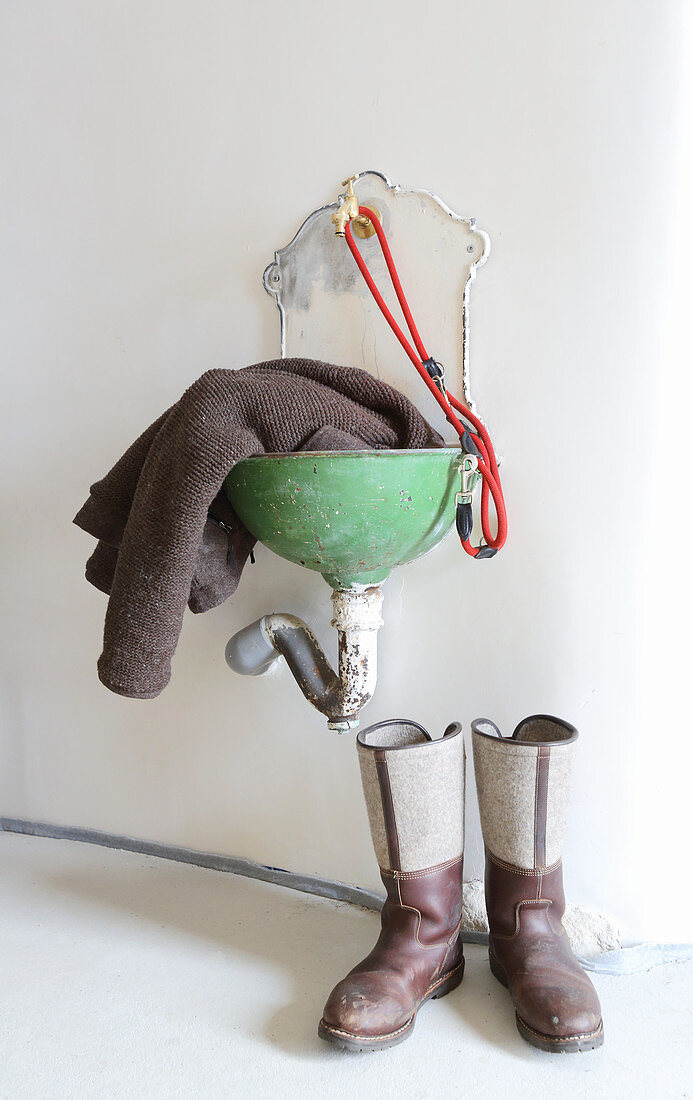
(327, 311)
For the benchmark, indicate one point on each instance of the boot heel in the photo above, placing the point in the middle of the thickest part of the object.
(448, 984)
(497, 969)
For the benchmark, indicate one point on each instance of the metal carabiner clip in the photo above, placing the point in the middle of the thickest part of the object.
(470, 478)
(464, 520)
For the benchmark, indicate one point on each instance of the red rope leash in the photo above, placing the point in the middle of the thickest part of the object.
(476, 439)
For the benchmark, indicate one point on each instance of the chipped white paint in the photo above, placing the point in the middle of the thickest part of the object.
(327, 311)
(357, 608)
(357, 620)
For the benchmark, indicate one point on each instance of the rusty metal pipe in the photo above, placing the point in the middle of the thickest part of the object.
(338, 695)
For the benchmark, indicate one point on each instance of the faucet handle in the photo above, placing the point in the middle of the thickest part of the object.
(348, 208)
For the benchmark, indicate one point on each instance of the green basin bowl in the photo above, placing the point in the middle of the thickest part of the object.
(350, 515)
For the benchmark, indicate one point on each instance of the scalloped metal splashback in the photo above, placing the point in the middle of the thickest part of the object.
(327, 311)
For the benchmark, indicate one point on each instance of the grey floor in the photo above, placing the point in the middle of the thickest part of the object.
(129, 976)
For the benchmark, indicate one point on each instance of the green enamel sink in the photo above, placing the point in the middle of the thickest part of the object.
(351, 515)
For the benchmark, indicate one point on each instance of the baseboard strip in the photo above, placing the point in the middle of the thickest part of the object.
(626, 960)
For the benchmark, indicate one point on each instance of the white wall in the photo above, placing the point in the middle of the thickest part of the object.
(154, 155)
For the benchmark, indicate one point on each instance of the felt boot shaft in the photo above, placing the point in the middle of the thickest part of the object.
(414, 791)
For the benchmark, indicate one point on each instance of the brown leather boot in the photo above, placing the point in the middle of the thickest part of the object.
(523, 785)
(414, 790)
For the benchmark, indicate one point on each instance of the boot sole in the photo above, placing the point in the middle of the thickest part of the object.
(345, 1040)
(551, 1043)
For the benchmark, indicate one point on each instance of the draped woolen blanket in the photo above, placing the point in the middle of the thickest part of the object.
(166, 534)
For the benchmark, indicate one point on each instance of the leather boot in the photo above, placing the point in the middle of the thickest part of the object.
(414, 789)
(523, 785)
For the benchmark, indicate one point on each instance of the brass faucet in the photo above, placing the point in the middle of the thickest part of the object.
(348, 209)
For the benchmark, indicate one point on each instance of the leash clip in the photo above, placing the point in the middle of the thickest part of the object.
(464, 519)
(470, 478)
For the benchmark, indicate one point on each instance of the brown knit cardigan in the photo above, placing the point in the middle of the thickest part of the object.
(158, 546)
